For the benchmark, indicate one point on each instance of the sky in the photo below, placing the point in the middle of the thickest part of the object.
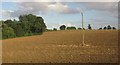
(98, 14)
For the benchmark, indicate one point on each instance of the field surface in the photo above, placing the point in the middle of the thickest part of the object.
(63, 47)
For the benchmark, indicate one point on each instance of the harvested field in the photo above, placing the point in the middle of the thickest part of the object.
(63, 47)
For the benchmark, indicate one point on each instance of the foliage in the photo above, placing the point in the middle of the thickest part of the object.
(109, 27)
(89, 27)
(32, 23)
(105, 28)
(79, 28)
(62, 27)
(8, 32)
(55, 29)
(71, 28)
(26, 26)
(113, 28)
(100, 28)
(19, 30)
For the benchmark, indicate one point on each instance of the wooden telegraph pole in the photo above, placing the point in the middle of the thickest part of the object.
(83, 43)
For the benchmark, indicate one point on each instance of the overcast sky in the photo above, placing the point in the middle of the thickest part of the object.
(98, 14)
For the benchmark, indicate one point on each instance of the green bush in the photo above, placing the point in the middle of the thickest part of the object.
(79, 28)
(71, 28)
(28, 34)
(8, 32)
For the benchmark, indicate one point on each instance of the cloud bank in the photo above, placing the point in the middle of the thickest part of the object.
(60, 0)
(60, 7)
(110, 8)
(40, 8)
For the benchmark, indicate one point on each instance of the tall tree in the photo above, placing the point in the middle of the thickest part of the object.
(32, 23)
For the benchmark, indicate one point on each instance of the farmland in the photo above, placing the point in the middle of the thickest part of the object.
(63, 47)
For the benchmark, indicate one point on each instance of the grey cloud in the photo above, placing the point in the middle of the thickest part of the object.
(27, 8)
(60, 0)
(71, 11)
(110, 8)
(40, 7)
(43, 7)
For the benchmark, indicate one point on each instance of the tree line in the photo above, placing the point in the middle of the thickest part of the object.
(30, 24)
(107, 28)
(26, 26)
(64, 27)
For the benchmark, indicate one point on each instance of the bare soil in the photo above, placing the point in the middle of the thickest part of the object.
(63, 47)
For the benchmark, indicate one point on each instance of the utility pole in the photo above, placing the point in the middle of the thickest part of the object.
(82, 30)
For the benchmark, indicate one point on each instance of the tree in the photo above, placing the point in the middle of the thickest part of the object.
(79, 28)
(89, 27)
(62, 27)
(55, 29)
(38, 28)
(41, 21)
(27, 25)
(100, 28)
(105, 28)
(113, 28)
(10, 23)
(71, 28)
(108, 27)
(32, 23)
(19, 31)
(7, 32)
